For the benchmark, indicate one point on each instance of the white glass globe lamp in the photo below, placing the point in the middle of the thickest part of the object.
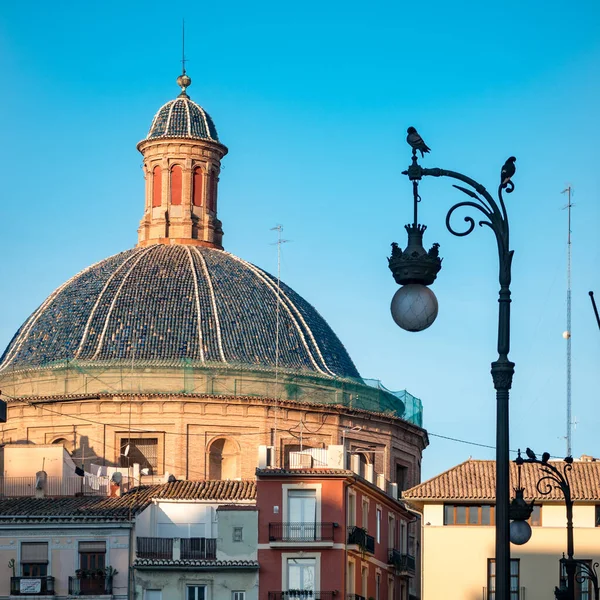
(520, 532)
(414, 307)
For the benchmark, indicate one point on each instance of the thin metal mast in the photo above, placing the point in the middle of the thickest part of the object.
(279, 229)
(567, 333)
(183, 59)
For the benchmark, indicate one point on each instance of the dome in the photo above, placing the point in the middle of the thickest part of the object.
(183, 118)
(165, 305)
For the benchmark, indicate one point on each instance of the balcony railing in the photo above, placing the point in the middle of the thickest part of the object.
(359, 536)
(17, 487)
(404, 563)
(199, 548)
(31, 586)
(301, 532)
(301, 595)
(153, 547)
(355, 597)
(190, 548)
(90, 585)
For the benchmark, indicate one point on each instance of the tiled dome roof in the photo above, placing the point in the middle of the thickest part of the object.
(163, 305)
(182, 118)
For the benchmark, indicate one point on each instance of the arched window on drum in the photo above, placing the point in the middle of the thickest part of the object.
(156, 187)
(176, 177)
(224, 459)
(197, 183)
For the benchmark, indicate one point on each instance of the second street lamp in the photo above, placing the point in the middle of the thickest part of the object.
(414, 308)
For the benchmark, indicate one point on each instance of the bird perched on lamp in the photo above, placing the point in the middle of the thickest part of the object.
(416, 142)
(508, 170)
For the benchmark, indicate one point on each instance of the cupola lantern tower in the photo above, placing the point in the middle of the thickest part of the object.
(182, 161)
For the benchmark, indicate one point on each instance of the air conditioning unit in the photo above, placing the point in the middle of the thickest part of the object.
(266, 456)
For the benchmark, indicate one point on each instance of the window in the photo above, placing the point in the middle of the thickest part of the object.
(469, 514)
(143, 451)
(583, 586)
(92, 556)
(350, 577)
(224, 459)
(196, 592)
(402, 477)
(514, 579)
(176, 176)
(301, 574)
(598, 515)
(238, 595)
(364, 572)
(152, 594)
(378, 529)
(238, 534)
(391, 590)
(302, 515)
(391, 531)
(536, 516)
(156, 186)
(34, 559)
(351, 509)
(198, 180)
(378, 586)
(365, 515)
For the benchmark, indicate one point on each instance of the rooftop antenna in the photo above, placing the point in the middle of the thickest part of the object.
(183, 81)
(567, 334)
(278, 228)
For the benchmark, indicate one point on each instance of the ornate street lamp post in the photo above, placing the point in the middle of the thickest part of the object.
(555, 478)
(414, 308)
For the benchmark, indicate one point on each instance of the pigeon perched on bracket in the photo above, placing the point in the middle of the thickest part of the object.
(508, 170)
(416, 142)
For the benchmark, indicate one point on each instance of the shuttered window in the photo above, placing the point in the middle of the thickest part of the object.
(143, 451)
(92, 546)
(34, 552)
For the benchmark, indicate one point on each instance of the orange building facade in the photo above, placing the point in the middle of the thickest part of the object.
(326, 534)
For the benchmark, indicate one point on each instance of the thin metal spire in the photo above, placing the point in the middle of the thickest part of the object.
(183, 59)
(567, 333)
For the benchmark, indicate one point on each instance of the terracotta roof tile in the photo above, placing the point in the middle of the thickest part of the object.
(476, 480)
(97, 508)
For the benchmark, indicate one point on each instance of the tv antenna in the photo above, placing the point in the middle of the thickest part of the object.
(278, 228)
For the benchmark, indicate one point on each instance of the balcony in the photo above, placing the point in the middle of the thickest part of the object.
(199, 548)
(302, 595)
(90, 583)
(355, 597)
(360, 537)
(514, 593)
(170, 549)
(404, 563)
(301, 532)
(55, 487)
(32, 586)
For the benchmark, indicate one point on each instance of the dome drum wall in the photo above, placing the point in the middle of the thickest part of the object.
(193, 218)
(72, 377)
(188, 436)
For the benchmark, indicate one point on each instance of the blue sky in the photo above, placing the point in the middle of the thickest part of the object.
(313, 101)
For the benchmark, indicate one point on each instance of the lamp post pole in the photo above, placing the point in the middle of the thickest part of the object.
(502, 369)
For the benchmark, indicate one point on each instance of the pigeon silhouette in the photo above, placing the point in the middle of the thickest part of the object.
(416, 141)
(545, 457)
(530, 454)
(508, 170)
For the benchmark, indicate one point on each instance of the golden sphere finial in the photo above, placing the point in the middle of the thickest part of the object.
(184, 82)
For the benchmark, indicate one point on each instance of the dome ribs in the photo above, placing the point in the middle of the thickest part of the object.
(132, 254)
(213, 301)
(163, 305)
(183, 118)
(197, 298)
(113, 303)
